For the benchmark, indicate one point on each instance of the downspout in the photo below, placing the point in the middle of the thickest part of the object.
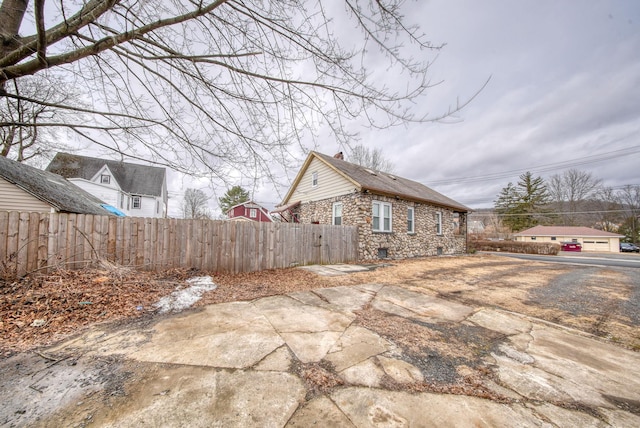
(466, 233)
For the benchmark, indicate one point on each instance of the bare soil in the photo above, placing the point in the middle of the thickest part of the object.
(42, 309)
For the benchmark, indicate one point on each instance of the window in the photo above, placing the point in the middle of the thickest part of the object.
(105, 179)
(553, 238)
(381, 217)
(121, 200)
(533, 238)
(314, 179)
(157, 207)
(438, 223)
(410, 228)
(136, 202)
(337, 214)
(253, 213)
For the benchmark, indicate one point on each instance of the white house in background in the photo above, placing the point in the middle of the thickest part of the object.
(137, 190)
(590, 239)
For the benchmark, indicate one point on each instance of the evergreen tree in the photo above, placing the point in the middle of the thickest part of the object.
(234, 196)
(522, 205)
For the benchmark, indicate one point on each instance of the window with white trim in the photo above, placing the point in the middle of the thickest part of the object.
(410, 220)
(337, 214)
(253, 212)
(105, 179)
(381, 213)
(438, 223)
(136, 202)
(314, 179)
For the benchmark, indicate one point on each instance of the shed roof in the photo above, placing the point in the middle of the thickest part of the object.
(133, 178)
(578, 231)
(50, 188)
(381, 183)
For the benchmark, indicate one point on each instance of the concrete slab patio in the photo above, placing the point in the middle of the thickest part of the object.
(355, 356)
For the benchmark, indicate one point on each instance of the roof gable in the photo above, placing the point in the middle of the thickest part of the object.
(378, 182)
(50, 188)
(248, 204)
(132, 178)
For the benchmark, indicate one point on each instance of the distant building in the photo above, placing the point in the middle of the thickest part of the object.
(249, 211)
(590, 239)
(137, 190)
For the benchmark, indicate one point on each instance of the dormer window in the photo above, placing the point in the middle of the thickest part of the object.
(105, 179)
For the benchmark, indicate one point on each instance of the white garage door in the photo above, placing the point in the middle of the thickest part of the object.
(596, 245)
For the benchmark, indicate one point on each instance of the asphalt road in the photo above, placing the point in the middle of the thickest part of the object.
(625, 260)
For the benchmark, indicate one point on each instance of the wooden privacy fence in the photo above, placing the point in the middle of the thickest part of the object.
(33, 241)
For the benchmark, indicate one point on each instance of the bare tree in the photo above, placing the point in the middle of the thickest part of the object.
(370, 158)
(216, 86)
(608, 209)
(570, 190)
(29, 130)
(194, 204)
(630, 198)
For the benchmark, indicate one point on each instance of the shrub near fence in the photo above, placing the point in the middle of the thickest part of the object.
(515, 247)
(32, 241)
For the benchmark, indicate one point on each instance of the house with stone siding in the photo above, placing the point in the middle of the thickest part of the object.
(396, 217)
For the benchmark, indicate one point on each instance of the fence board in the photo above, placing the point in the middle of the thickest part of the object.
(32, 250)
(29, 241)
(43, 241)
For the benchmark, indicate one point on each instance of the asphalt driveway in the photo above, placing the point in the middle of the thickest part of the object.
(365, 355)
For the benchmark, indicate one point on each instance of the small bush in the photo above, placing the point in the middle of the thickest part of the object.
(515, 247)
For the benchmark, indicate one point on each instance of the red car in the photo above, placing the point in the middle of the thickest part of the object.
(571, 246)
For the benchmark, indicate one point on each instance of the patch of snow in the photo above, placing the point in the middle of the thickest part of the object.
(182, 299)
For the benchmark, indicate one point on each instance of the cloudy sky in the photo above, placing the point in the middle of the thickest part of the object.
(564, 92)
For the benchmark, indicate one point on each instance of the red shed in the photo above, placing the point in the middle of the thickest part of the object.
(249, 211)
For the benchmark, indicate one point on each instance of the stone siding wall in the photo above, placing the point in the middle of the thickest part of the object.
(399, 243)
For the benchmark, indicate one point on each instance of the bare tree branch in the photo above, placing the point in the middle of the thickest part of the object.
(211, 87)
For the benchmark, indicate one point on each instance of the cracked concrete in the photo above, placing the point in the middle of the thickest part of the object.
(232, 364)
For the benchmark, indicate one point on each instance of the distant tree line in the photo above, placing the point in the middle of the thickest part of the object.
(574, 198)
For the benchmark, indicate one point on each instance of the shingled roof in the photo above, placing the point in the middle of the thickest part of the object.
(133, 178)
(382, 183)
(51, 188)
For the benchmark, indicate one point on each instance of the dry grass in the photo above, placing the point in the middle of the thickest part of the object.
(595, 300)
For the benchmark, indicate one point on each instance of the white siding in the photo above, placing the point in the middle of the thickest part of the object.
(330, 184)
(111, 196)
(106, 194)
(147, 208)
(12, 198)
